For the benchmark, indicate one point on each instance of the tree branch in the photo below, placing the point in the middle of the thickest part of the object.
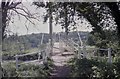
(26, 16)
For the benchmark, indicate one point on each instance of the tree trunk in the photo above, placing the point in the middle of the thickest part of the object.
(50, 28)
(66, 20)
(4, 17)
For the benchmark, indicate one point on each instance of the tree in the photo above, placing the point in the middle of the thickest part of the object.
(94, 13)
(61, 13)
(5, 7)
(8, 8)
(114, 7)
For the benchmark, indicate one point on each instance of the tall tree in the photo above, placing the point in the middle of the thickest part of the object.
(115, 11)
(8, 8)
(97, 14)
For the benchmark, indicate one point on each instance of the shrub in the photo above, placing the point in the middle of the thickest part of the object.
(90, 68)
(9, 69)
(116, 63)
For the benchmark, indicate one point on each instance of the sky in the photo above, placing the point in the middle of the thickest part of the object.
(19, 25)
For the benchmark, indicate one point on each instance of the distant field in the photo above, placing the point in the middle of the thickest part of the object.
(13, 52)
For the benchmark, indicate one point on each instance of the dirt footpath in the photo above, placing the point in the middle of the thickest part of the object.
(60, 61)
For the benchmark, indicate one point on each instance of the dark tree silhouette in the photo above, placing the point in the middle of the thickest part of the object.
(114, 7)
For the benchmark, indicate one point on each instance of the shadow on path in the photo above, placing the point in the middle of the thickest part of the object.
(60, 71)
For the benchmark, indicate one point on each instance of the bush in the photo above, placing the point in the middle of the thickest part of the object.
(116, 63)
(9, 69)
(90, 68)
(31, 70)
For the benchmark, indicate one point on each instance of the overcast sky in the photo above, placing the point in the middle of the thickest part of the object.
(19, 25)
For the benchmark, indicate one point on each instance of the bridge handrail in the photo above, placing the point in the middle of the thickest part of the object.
(26, 54)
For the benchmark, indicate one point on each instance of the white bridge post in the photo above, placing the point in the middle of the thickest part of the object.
(39, 55)
(109, 56)
(60, 45)
(16, 57)
(49, 49)
(79, 52)
(84, 51)
(44, 57)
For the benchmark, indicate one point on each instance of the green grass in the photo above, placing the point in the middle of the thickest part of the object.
(27, 70)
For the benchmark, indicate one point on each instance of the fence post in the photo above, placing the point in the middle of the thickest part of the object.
(79, 52)
(50, 48)
(39, 55)
(1, 53)
(43, 55)
(84, 51)
(95, 52)
(109, 56)
(16, 57)
(60, 46)
(47, 52)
